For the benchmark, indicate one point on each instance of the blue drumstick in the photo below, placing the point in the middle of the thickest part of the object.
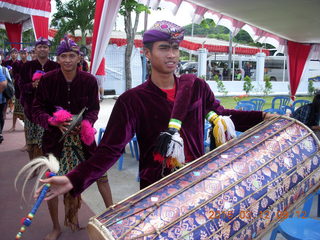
(26, 222)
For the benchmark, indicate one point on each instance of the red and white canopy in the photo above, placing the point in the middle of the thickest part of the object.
(17, 14)
(275, 22)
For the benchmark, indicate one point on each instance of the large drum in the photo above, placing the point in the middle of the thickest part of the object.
(238, 191)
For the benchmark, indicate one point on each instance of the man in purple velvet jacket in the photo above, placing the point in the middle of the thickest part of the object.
(28, 86)
(146, 111)
(62, 93)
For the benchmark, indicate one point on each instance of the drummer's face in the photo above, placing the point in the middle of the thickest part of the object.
(164, 56)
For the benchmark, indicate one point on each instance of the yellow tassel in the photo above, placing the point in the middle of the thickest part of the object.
(219, 130)
(223, 129)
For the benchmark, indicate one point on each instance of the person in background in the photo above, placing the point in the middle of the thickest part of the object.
(33, 54)
(247, 70)
(164, 105)
(68, 90)
(100, 75)
(18, 108)
(309, 114)
(238, 75)
(3, 85)
(83, 64)
(225, 72)
(10, 64)
(30, 74)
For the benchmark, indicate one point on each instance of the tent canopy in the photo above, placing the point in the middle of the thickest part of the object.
(24, 14)
(293, 20)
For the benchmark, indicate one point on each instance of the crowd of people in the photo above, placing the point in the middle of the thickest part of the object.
(164, 105)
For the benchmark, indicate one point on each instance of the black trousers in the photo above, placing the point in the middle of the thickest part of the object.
(2, 106)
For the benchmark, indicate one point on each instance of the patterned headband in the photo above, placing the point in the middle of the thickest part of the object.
(164, 31)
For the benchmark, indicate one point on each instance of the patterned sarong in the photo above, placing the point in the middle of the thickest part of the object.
(18, 109)
(34, 133)
(71, 155)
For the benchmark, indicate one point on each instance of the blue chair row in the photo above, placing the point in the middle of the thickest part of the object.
(300, 227)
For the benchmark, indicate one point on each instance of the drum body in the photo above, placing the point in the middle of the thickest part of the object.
(238, 191)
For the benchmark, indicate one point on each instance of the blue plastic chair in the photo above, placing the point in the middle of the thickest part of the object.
(296, 104)
(259, 102)
(245, 106)
(132, 142)
(280, 102)
(207, 127)
(275, 110)
(134, 147)
(298, 228)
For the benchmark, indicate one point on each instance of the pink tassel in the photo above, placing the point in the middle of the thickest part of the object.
(87, 132)
(59, 116)
(37, 75)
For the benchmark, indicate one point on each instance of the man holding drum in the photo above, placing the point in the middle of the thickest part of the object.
(173, 107)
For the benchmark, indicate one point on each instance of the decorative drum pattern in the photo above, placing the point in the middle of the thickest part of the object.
(238, 191)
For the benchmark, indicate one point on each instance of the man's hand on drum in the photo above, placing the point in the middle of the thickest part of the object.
(268, 116)
(59, 185)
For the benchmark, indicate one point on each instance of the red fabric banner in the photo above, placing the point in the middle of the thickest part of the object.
(97, 17)
(43, 5)
(298, 54)
(101, 70)
(40, 26)
(14, 33)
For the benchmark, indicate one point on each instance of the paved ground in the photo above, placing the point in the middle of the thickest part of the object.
(123, 184)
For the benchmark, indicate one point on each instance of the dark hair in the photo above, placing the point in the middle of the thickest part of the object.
(148, 45)
(315, 110)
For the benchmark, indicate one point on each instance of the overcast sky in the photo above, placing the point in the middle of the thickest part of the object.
(164, 14)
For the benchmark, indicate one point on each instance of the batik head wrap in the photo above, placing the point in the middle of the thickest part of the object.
(163, 31)
(67, 45)
(42, 41)
(13, 50)
(23, 50)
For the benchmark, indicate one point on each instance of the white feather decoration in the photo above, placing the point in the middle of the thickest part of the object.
(43, 164)
(231, 131)
(176, 148)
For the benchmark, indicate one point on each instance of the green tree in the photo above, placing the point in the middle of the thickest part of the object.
(267, 85)
(126, 9)
(247, 85)
(220, 85)
(311, 88)
(4, 39)
(73, 15)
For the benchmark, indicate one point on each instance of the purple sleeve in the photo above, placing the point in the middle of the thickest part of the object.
(39, 114)
(243, 120)
(25, 80)
(119, 132)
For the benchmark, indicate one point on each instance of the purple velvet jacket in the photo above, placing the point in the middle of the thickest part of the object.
(145, 110)
(27, 91)
(53, 91)
(16, 69)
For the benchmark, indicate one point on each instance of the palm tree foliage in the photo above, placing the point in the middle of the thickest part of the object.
(73, 15)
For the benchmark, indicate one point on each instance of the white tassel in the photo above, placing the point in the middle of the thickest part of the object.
(231, 131)
(43, 163)
(176, 148)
